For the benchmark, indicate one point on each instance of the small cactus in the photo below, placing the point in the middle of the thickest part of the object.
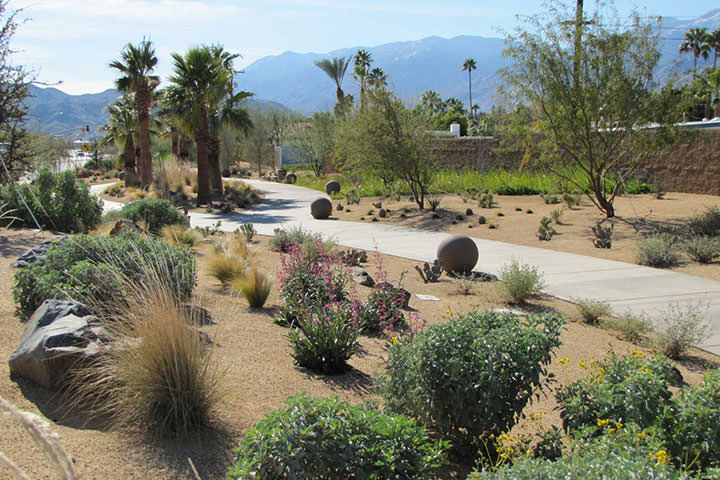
(545, 231)
(430, 274)
(248, 229)
(486, 200)
(603, 235)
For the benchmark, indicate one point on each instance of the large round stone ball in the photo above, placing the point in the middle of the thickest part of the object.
(290, 178)
(458, 254)
(333, 186)
(321, 208)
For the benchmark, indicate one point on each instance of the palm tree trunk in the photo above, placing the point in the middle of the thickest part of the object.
(131, 179)
(214, 164)
(339, 94)
(203, 193)
(144, 102)
(695, 65)
(470, 91)
(175, 145)
(184, 148)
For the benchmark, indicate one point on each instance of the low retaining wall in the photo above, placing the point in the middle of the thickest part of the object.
(692, 167)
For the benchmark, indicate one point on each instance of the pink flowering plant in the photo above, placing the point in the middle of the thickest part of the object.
(309, 278)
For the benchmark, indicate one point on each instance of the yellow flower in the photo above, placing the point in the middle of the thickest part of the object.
(602, 422)
(641, 434)
(563, 361)
(662, 457)
(394, 340)
(612, 430)
(447, 312)
(638, 353)
(618, 425)
(581, 364)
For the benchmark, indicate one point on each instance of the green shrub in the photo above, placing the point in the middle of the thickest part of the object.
(58, 201)
(296, 237)
(706, 224)
(638, 187)
(383, 310)
(520, 281)
(319, 439)
(625, 455)
(679, 329)
(156, 213)
(703, 249)
(618, 391)
(571, 200)
(471, 376)
(592, 310)
(325, 338)
(692, 424)
(240, 195)
(631, 327)
(658, 251)
(91, 265)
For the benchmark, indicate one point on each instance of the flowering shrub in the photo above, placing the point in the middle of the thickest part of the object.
(315, 439)
(308, 279)
(325, 339)
(471, 376)
(619, 391)
(383, 310)
(692, 424)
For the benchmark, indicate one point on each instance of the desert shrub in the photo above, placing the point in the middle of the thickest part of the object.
(254, 286)
(703, 249)
(550, 199)
(679, 329)
(383, 310)
(63, 274)
(520, 281)
(631, 327)
(284, 240)
(325, 338)
(472, 375)
(658, 251)
(157, 373)
(557, 215)
(240, 195)
(545, 230)
(571, 200)
(618, 391)
(59, 201)
(692, 424)
(486, 200)
(180, 235)
(156, 213)
(592, 310)
(226, 268)
(177, 175)
(308, 279)
(317, 439)
(707, 223)
(626, 455)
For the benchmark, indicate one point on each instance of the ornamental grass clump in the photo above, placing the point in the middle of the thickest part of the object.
(180, 235)
(226, 268)
(156, 372)
(324, 438)
(618, 391)
(471, 376)
(255, 287)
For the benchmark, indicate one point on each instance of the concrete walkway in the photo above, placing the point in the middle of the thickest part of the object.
(626, 287)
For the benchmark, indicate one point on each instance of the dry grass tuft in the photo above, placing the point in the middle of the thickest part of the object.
(255, 287)
(179, 176)
(226, 267)
(157, 373)
(180, 236)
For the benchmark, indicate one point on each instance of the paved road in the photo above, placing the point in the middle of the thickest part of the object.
(625, 286)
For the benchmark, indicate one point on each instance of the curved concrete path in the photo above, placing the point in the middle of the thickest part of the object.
(626, 287)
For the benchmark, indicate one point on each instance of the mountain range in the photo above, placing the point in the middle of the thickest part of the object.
(292, 80)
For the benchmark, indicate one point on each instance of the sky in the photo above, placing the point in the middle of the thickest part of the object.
(69, 43)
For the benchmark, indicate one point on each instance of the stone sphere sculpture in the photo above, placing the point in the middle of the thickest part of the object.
(333, 186)
(458, 254)
(290, 178)
(321, 208)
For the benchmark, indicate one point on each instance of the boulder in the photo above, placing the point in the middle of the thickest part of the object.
(59, 335)
(124, 225)
(458, 254)
(321, 208)
(38, 253)
(290, 178)
(359, 275)
(333, 186)
(382, 213)
(225, 172)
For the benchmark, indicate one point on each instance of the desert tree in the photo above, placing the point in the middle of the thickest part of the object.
(588, 107)
(316, 141)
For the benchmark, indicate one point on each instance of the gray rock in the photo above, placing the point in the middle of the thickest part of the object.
(321, 208)
(124, 225)
(333, 186)
(359, 275)
(38, 253)
(59, 335)
(290, 178)
(458, 254)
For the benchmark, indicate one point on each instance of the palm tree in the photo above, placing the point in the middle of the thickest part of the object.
(714, 43)
(431, 100)
(469, 65)
(121, 130)
(362, 60)
(696, 41)
(377, 78)
(198, 80)
(136, 65)
(335, 69)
